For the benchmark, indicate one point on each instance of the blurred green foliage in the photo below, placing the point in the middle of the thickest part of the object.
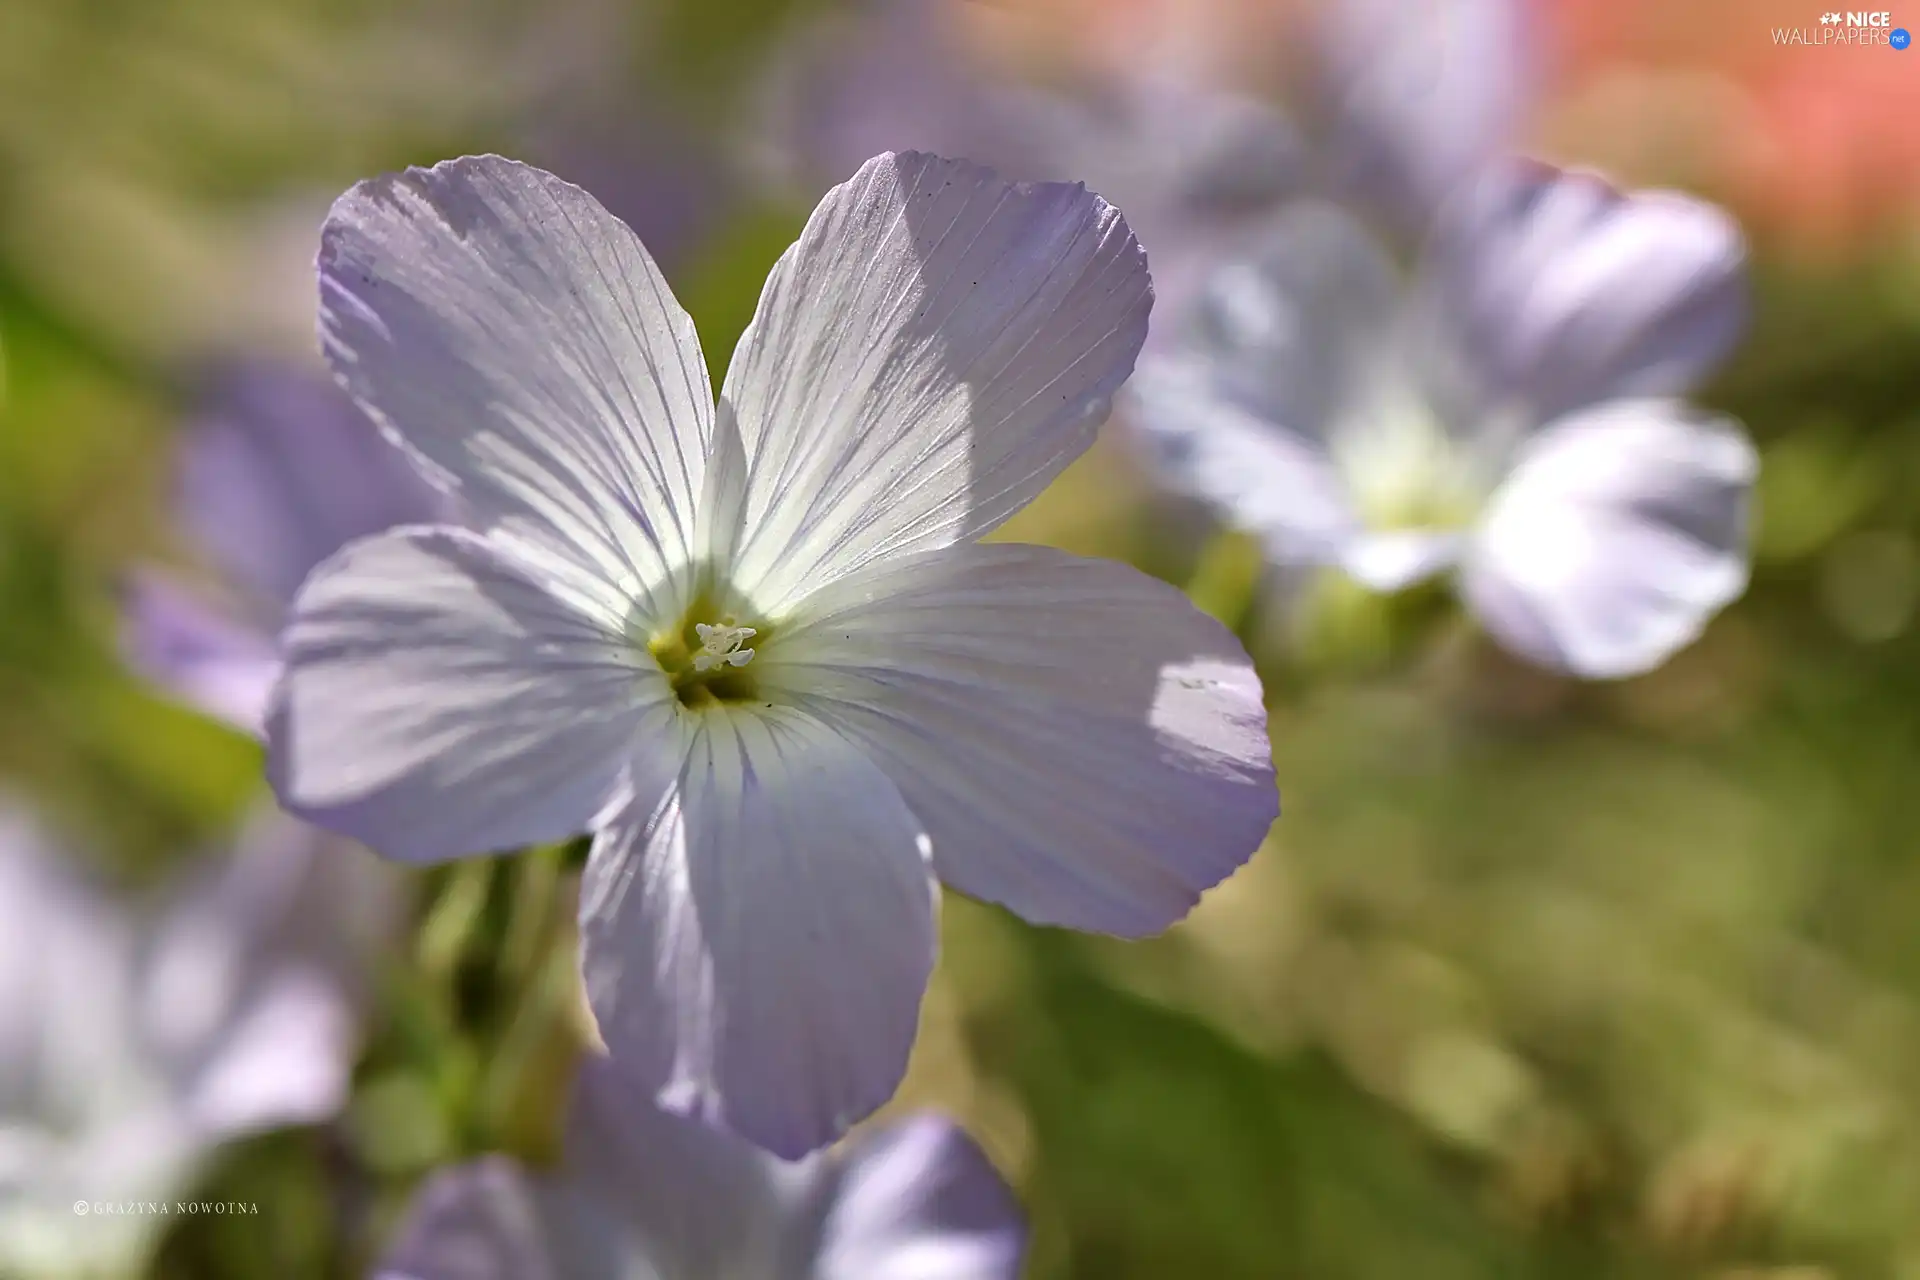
(1533, 980)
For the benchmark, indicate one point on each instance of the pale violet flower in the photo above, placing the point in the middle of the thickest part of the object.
(1509, 414)
(647, 1195)
(1400, 101)
(136, 1037)
(1062, 736)
(1414, 98)
(1198, 169)
(276, 472)
(1192, 164)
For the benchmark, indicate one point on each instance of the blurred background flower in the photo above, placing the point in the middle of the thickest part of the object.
(135, 1038)
(1537, 977)
(645, 1193)
(280, 471)
(1507, 411)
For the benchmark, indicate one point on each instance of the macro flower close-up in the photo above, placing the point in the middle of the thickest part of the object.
(643, 1194)
(754, 647)
(667, 640)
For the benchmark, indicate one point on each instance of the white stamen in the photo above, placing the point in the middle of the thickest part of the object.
(720, 646)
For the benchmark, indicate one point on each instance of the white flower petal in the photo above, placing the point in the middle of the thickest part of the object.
(1292, 327)
(436, 702)
(1083, 745)
(518, 338)
(491, 1220)
(1620, 531)
(756, 946)
(919, 1201)
(1567, 292)
(1287, 348)
(934, 349)
(1257, 476)
(1394, 559)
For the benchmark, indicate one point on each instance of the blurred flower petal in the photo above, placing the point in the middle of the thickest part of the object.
(1283, 348)
(1083, 745)
(1355, 415)
(1571, 292)
(254, 977)
(756, 947)
(1192, 165)
(274, 475)
(919, 1201)
(1620, 531)
(188, 647)
(285, 1058)
(890, 75)
(1394, 559)
(702, 1199)
(54, 921)
(491, 1220)
(1292, 330)
(1191, 148)
(437, 702)
(280, 471)
(1279, 484)
(1197, 170)
(961, 340)
(165, 1033)
(519, 338)
(1419, 96)
(644, 1194)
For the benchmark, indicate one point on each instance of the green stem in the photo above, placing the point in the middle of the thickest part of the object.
(532, 907)
(452, 919)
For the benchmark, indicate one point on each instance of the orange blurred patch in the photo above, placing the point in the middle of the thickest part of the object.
(1816, 145)
(1837, 156)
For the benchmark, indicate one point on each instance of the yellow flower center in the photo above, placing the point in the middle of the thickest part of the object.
(707, 658)
(1405, 472)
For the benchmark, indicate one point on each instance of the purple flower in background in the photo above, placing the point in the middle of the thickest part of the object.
(1197, 169)
(1509, 413)
(1193, 166)
(648, 1195)
(888, 75)
(1413, 99)
(276, 474)
(757, 650)
(134, 1040)
(1407, 100)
